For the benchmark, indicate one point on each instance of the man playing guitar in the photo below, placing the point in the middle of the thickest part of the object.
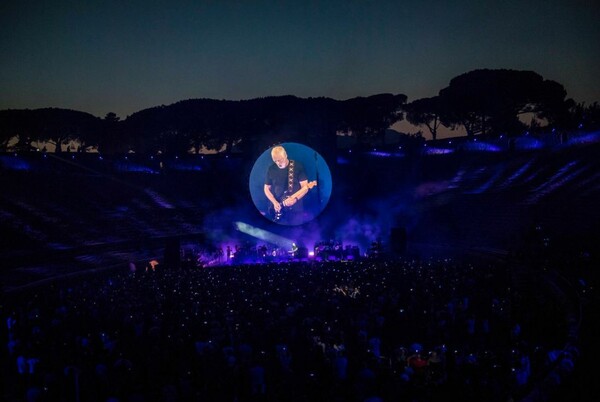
(285, 186)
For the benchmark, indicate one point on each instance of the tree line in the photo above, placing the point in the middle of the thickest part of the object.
(483, 102)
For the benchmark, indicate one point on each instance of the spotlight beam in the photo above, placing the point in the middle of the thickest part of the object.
(263, 234)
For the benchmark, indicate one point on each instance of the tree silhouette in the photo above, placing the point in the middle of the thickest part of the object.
(491, 101)
(368, 118)
(256, 123)
(483, 101)
(12, 124)
(590, 118)
(109, 139)
(52, 125)
(425, 112)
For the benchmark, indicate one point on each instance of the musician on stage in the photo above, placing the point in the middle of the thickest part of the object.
(294, 251)
(285, 186)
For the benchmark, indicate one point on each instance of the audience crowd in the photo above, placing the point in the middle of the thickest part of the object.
(405, 330)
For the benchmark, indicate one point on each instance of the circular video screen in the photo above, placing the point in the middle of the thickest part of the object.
(290, 184)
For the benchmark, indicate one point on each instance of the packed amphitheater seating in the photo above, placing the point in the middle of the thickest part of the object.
(490, 297)
(398, 330)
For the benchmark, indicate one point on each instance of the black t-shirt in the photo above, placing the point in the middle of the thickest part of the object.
(278, 179)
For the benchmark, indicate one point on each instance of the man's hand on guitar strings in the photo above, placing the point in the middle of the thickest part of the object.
(288, 202)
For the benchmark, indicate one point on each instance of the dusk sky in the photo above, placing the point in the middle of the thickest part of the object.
(124, 56)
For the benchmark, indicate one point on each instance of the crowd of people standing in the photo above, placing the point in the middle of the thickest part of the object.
(414, 330)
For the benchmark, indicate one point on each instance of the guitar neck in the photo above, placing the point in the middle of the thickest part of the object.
(299, 193)
(303, 190)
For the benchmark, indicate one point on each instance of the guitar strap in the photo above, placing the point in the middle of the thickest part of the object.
(291, 177)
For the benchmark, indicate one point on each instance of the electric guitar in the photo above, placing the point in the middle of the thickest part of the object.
(276, 216)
